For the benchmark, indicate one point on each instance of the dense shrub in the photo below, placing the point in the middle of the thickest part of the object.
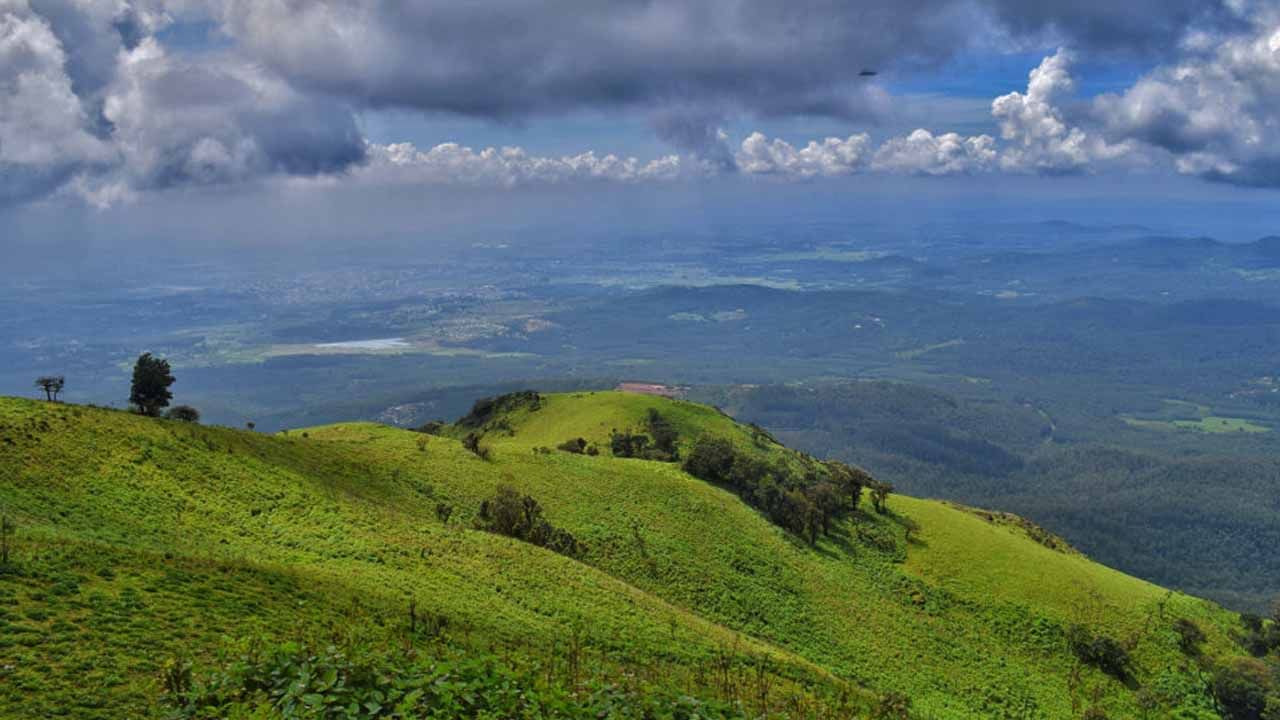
(431, 427)
(519, 516)
(659, 444)
(1100, 651)
(577, 446)
(184, 413)
(1190, 637)
(472, 443)
(665, 437)
(1241, 688)
(486, 409)
(803, 501)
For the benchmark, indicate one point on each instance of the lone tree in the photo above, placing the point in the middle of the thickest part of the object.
(151, 380)
(51, 385)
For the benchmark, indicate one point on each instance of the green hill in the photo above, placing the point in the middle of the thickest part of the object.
(143, 545)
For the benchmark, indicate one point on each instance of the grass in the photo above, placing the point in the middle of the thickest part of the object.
(218, 531)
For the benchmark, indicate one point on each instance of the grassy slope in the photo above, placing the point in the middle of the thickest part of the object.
(101, 492)
(969, 625)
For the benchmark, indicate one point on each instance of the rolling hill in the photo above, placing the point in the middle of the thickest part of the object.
(154, 559)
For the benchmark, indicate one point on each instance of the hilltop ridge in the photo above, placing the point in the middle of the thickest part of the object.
(152, 539)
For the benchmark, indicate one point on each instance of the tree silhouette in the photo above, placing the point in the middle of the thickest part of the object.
(52, 385)
(151, 380)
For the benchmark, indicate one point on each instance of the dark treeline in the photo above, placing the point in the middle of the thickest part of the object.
(804, 500)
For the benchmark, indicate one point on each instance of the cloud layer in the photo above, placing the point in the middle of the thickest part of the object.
(95, 102)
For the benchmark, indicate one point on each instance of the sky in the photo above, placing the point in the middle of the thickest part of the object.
(265, 119)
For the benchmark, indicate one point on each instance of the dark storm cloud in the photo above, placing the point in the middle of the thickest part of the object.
(698, 135)
(219, 119)
(508, 58)
(1133, 28)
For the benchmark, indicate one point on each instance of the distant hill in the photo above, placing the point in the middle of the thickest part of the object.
(145, 546)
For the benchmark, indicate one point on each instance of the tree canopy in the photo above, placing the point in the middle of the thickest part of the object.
(151, 380)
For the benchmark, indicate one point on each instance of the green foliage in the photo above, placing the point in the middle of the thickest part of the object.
(431, 427)
(487, 410)
(143, 540)
(627, 444)
(1100, 651)
(471, 441)
(806, 499)
(1190, 637)
(51, 385)
(664, 434)
(892, 706)
(295, 681)
(578, 446)
(1242, 688)
(150, 393)
(520, 516)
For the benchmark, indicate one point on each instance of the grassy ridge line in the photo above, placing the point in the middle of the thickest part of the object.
(95, 476)
(993, 645)
(354, 504)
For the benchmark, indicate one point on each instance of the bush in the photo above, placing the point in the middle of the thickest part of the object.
(712, 459)
(519, 516)
(431, 427)
(486, 409)
(577, 446)
(628, 444)
(443, 512)
(1102, 652)
(803, 501)
(1241, 687)
(472, 443)
(183, 413)
(1190, 637)
(664, 436)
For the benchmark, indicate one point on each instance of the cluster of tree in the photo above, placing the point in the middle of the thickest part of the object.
(485, 410)
(1160, 523)
(519, 516)
(803, 501)
(1242, 688)
(1261, 637)
(660, 443)
(578, 446)
(1246, 689)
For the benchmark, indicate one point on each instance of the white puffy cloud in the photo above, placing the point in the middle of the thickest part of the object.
(1037, 136)
(451, 163)
(923, 153)
(1216, 112)
(759, 155)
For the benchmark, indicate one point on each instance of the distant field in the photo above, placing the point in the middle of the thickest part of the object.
(1209, 424)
